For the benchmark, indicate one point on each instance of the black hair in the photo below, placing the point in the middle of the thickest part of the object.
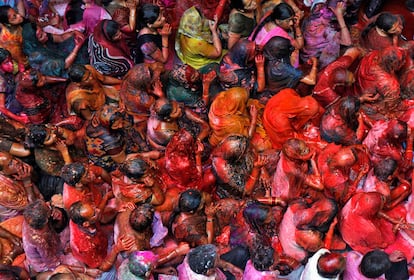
(36, 214)
(72, 173)
(4, 54)
(374, 264)
(148, 14)
(60, 225)
(385, 168)
(280, 12)
(134, 168)
(410, 5)
(202, 258)
(348, 108)
(277, 48)
(237, 4)
(36, 136)
(256, 214)
(75, 213)
(189, 200)
(165, 111)
(62, 276)
(109, 28)
(4, 17)
(384, 21)
(336, 267)
(141, 217)
(262, 257)
(76, 72)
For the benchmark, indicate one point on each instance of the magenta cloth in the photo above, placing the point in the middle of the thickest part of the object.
(250, 273)
(353, 259)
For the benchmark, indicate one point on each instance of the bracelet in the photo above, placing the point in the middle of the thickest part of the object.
(343, 27)
(166, 47)
(210, 220)
(299, 36)
(84, 270)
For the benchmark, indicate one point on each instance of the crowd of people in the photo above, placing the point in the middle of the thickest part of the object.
(200, 140)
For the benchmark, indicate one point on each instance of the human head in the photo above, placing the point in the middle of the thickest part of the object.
(277, 48)
(234, 147)
(6, 62)
(149, 16)
(37, 214)
(9, 16)
(295, 148)
(110, 117)
(140, 263)
(348, 110)
(243, 5)
(385, 168)
(283, 14)
(134, 168)
(166, 110)
(59, 219)
(111, 30)
(389, 23)
(190, 200)
(29, 78)
(72, 173)
(40, 135)
(76, 72)
(331, 265)
(344, 157)
(374, 264)
(396, 131)
(141, 217)
(139, 77)
(84, 215)
(262, 257)
(62, 276)
(342, 76)
(256, 215)
(202, 258)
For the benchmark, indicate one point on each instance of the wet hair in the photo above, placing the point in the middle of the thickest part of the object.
(4, 54)
(109, 28)
(234, 147)
(385, 168)
(374, 264)
(36, 136)
(134, 168)
(348, 108)
(75, 213)
(165, 111)
(189, 200)
(255, 215)
(410, 5)
(141, 217)
(60, 225)
(330, 265)
(140, 263)
(76, 72)
(392, 58)
(239, 53)
(202, 258)
(36, 214)
(4, 17)
(399, 128)
(148, 14)
(262, 257)
(280, 12)
(72, 173)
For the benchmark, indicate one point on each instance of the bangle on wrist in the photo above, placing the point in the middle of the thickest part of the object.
(342, 27)
(165, 47)
(299, 36)
(84, 270)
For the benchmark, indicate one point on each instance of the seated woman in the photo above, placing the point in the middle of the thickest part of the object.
(53, 54)
(11, 37)
(242, 20)
(384, 32)
(237, 67)
(167, 117)
(108, 52)
(152, 45)
(279, 72)
(229, 115)
(281, 22)
(198, 43)
(325, 33)
(287, 114)
(89, 90)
